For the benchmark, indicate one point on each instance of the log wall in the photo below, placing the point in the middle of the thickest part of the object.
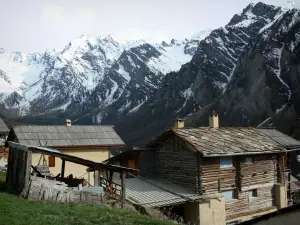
(214, 178)
(176, 164)
(242, 177)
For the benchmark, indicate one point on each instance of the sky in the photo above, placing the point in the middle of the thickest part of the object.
(37, 25)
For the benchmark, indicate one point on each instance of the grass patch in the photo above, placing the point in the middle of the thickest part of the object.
(18, 211)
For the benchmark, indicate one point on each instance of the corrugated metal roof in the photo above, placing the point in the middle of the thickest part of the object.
(3, 128)
(281, 138)
(156, 193)
(63, 136)
(227, 141)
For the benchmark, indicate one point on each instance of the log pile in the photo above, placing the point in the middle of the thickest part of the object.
(52, 190)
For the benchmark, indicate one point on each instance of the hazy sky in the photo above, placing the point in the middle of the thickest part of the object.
(37, 25)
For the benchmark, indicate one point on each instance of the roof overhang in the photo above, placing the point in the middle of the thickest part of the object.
(73, 159)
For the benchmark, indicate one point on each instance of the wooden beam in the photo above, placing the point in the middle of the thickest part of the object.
(96, 178)
(123, 188)
(63, 165)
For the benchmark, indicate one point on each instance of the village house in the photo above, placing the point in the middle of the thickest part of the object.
(87, 142)
(212, 175)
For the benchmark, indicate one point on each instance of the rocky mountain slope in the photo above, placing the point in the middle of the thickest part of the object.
(248, 71)
(88, 69)
(205, 78)
(265, 84)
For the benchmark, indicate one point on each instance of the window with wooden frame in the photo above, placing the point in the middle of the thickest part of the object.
(230, 194)
(51, 160)
(226, 162)
(248, 160)
(252, 194)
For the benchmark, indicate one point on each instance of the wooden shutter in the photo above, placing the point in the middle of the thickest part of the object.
(51, 161)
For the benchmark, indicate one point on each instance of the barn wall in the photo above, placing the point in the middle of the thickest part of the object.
(146, 163)
(243, 178)
(175, 163)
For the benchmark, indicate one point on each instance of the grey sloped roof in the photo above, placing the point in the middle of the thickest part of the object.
(281, 138)
(228, 140)
(156, 193)
(3, 128)
(63, 136)
(224, 141)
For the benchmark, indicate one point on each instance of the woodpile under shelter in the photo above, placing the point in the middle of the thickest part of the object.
(90, 142)
(229, 174)
(24, 178)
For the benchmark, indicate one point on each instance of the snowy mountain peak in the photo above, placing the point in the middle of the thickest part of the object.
(201, 35)
(289, 4)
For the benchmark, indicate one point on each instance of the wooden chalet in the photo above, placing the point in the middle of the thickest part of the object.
(89, 142)
(237, 173)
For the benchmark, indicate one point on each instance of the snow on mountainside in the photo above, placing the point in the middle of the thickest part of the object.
(202, 80)
(264, 89)
(73, 73)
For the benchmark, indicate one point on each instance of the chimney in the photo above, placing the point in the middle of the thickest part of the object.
(68, 123)
(179, 123)
(214, 120)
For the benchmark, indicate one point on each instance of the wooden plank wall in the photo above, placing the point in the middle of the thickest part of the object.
(146, 162)
(18, 170)
(213, 176)
(244, 177)
(176, 164)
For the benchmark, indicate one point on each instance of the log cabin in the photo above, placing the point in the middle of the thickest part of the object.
(88, 142)
(238, 173)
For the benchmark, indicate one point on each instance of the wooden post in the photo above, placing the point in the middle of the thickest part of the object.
(27, 173)
(63, 165)
(238, 174)
(96, 177)
(123, 188)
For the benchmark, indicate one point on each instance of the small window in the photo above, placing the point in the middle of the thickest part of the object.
(248, 160)
(252, 194)
(51, 160)
(225, 162)
(230, 194)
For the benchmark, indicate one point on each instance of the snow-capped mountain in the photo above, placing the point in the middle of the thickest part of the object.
(264, 89)
(206, 77)
(247, 70)
(85, 66)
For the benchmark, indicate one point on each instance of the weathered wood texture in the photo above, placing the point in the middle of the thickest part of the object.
(51, 190)
(242, 177)
(176, 164)
(146, 162)
(19, 169)
(261, 171)
(215, 178)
